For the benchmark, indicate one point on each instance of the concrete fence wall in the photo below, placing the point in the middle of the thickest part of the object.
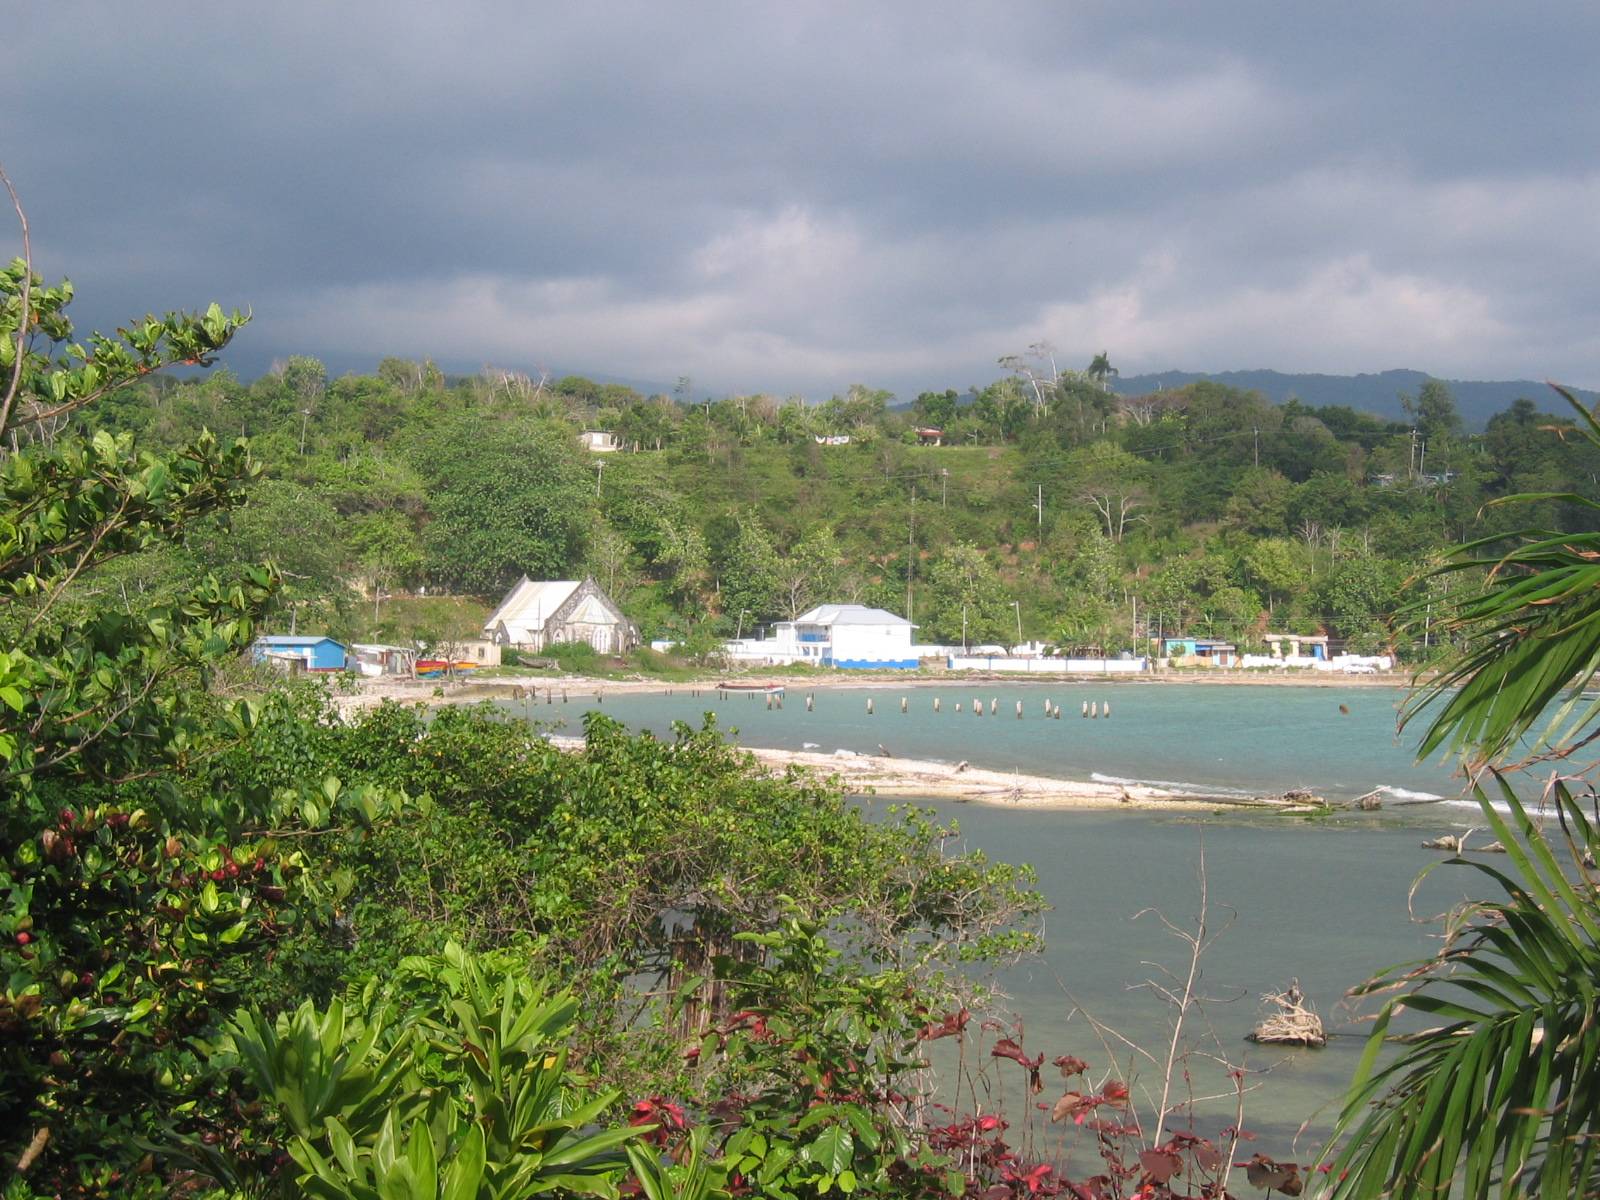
(1048, 666)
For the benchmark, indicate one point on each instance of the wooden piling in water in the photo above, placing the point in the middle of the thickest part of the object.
(869, 706)
(936, 704)
(1019, 710)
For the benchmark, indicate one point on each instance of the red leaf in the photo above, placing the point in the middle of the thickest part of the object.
(949, 1026)
(1160, 1165)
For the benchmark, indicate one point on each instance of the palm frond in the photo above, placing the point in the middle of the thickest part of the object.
(1502, 1094)
(1529, 644)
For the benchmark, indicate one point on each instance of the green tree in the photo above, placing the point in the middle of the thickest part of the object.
(1359, 597)
(1434, 411)
(809, 572)
(1112, 483)
(293, 528)
(1260, 502)
(111, 954)
(507, 499)
(749, 571)
(1274, 567)
(389, 552)
(963, 601)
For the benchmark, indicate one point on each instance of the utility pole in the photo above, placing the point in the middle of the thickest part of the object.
(911, 551)
(599, 474)
(1039, 506)
(944, 482)
(305, 415)
(1017, 604)
(1257, 434)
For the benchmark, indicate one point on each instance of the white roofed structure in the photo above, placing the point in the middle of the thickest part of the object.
(850, 636)
(850, 614)
(538, 613)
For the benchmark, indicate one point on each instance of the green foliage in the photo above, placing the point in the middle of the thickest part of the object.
(963, 599)
(1528, 637)
(1504, 1094)
(750, 572)
(841, 1126)
(453, 1085)
(507, 499)
(574, 658)
(129, 904)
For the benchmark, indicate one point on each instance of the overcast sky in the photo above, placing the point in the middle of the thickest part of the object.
(795, 197)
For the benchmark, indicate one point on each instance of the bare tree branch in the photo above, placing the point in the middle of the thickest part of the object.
(25, 296)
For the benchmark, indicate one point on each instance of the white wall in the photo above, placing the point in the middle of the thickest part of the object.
(1048, 666)
(1338, 662)
(872, 643)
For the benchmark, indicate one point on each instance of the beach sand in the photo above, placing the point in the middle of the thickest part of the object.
(885, 776)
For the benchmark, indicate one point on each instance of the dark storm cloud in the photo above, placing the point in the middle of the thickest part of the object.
(791, 198)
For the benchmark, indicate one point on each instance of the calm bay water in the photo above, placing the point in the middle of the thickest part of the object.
(1324, 902)
(1210, 738)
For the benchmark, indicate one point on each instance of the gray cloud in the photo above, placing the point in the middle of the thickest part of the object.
(794, 198)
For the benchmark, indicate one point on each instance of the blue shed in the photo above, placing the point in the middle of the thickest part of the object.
(318, 653)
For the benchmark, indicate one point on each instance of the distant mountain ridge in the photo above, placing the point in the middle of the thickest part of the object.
(1477, 400)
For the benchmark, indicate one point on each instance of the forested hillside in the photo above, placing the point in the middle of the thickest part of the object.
(1381, 392)
(1203, 509)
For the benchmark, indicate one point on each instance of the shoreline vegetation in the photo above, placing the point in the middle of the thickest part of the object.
(885, 774)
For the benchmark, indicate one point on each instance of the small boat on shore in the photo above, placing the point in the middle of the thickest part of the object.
(433, 668)
(760, 687)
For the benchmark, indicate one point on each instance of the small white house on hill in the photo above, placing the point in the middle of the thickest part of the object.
(539, 613)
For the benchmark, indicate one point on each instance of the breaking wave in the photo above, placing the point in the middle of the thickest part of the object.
(1171, 785)
(1406, 794)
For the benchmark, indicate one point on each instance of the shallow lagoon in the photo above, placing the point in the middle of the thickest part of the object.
(1321, 901)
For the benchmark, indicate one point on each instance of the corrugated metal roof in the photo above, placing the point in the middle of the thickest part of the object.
(290, 639)
(849, 614)
(529, 604)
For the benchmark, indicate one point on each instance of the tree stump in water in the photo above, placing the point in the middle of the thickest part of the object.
(1289, 1021)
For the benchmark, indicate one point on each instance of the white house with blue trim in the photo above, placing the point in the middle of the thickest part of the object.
(847, 636)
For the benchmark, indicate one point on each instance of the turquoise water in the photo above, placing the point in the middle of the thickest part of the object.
(1205, 738)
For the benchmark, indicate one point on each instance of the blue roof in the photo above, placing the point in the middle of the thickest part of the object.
(289, 639)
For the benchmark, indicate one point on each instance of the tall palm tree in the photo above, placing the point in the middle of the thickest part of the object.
(1503, 1095)
(1102, 372)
